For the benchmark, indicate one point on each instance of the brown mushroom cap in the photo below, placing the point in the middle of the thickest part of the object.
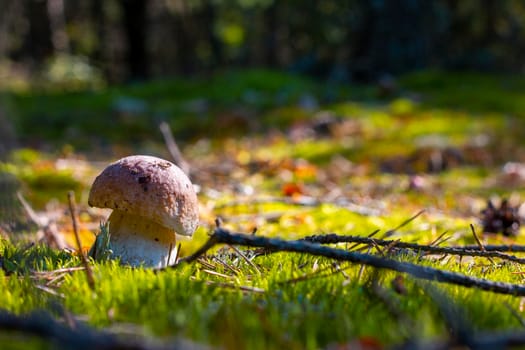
(149, 187)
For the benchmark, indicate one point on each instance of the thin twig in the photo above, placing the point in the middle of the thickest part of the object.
(49, 290)
(372, 234)
(313, 275)
(481, 247)
(403, 224)
(45, 224)
(362, 267)
(233, 286)
(173, 149)
(221, 235)
(56, 280)
(206, 264)
(59, 271)
(215, 273)
(438, 241)
(251, 263)
(83, 258)
(227, 266)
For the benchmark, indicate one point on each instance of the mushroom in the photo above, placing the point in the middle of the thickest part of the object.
(152, 200)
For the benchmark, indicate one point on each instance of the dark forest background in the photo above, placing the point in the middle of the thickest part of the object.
(342, 41)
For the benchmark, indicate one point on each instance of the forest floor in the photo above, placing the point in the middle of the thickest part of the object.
(415, 160)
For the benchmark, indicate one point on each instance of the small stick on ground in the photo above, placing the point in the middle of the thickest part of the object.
(355, 245)
(225, 265)
(85, 262)
(438, 240)
(251, 263)
(233, 286)
(403, 224)
(50, 291)
(362, 267)
(173, 149)
(45, 224)
(317, 274)
(481, 247)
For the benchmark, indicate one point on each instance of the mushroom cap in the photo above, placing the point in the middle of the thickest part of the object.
(150, 187)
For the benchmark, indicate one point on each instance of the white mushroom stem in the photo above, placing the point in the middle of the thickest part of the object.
(138, 241)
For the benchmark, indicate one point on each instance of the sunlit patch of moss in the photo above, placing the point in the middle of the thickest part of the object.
(41, 177)
(469, 91)
(402, 107)
(285, 116)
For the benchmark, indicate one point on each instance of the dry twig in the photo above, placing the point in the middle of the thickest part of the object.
(85, 262)
(81, 338)
(173, 149)
(481, 247)
(46, 225)
(403, 224)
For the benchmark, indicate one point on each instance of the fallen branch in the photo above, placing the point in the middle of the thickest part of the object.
(462, 335)
(499, 248)
(459, 251)
(221, 235)
(458, 326)
(44, 326)
(83, 257)
(408, 326)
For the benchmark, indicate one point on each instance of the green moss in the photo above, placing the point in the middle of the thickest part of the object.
(296, 301)
(309, 313)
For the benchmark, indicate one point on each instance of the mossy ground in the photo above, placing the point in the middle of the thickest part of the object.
(262, 161)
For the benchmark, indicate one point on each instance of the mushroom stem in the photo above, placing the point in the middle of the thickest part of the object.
(138, 241)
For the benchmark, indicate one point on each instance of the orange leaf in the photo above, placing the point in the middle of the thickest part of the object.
(291, 188)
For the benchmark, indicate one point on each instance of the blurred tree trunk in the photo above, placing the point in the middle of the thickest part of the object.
(135, 28)
(185, 43)
(57, 21)
(270, 39)
(38, 43)
(209, 16)
(98, 18)
(394, 37)
(491, 12)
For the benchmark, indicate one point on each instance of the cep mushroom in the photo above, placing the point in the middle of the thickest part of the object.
(152, 200)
